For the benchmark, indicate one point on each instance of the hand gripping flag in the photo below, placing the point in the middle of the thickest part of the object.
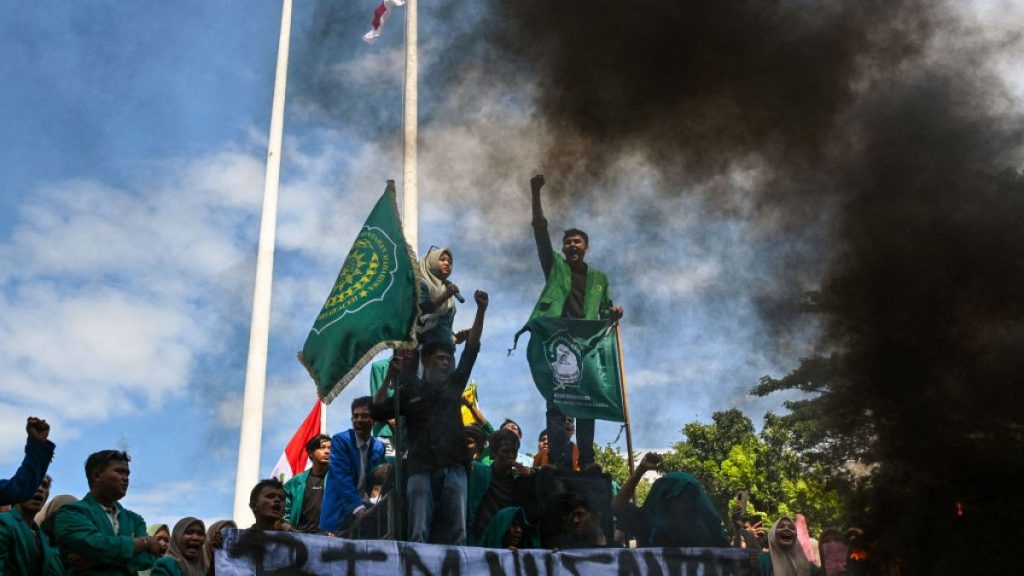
(380, 16)
(371, 307)
(294, 458)
(575, 366)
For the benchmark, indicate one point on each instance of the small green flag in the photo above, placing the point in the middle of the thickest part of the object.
(372, 306)
(575, 365)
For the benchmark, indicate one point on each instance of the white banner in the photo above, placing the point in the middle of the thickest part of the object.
(248, 552)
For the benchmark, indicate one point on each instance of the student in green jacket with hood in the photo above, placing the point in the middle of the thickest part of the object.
(24, 549)
(509, 529)
(98, 535)
(571, 290)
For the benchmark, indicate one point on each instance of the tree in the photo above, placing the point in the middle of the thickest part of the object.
(727, 456)
(615, 464)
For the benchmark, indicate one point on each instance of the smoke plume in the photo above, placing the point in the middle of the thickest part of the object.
(887, 119)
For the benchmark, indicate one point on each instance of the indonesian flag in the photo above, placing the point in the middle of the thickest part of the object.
(294, 459)
(380, 16)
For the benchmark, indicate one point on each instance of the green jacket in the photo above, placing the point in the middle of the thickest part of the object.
(764, 565)
(83, 528)
(166, 566)
(496, 530)
(294, 493)
(596, 301)
(479, 481)
(19, 549)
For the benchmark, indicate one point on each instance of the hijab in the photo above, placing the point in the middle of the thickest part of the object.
(44, 518)
(499, 525)
(429, 273)
(701, 527)
(195, 567)
(152, 529)
(792, 562)
(212, 531)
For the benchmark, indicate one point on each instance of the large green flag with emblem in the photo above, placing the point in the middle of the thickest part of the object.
(372, 305)
(575, 365)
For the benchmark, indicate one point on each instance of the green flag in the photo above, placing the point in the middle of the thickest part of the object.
(575, 365)
(372, 305)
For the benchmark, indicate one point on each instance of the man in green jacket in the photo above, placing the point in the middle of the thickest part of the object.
(571, 290)
(24, 549)
(304, 493)
(98, 535)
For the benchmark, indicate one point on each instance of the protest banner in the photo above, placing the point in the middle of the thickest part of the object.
(249, 552)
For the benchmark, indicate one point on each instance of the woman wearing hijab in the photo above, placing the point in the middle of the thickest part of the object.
(214, 539)
(45, 516)
(436, 292)
(676, 512)
(162, 534)
(785, 556)
(185, 555)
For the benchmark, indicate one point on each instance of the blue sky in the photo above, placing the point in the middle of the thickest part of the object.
(129, 213)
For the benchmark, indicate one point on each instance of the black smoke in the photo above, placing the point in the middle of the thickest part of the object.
(891, 114)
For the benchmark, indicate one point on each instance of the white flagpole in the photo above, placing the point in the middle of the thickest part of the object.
(259, 331)
(410, 211)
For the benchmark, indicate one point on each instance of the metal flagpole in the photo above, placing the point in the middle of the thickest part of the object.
(259, 331)
(410, 217)
(625, 398)
(410, 194)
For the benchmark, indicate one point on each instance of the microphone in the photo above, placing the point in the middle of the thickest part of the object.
(458, 295)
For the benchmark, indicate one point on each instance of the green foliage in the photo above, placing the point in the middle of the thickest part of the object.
(615, 463)
(727, 456)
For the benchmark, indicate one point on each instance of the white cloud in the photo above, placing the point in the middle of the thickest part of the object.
(112, 295)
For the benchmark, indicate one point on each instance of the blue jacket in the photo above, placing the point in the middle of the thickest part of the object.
(29, 475)
(341, 495)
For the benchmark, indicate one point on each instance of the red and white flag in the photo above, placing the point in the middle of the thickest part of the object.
(380, 16)
(294, 459)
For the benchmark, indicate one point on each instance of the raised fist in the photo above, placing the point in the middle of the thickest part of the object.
(537, 182)
(37, 429)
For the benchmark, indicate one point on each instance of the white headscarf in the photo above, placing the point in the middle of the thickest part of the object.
(791, 562)
(429, 270)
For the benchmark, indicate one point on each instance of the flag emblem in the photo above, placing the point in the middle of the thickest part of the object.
(565, 356)
(366, 276)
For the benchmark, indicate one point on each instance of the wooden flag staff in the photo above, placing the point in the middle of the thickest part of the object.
(625, 398)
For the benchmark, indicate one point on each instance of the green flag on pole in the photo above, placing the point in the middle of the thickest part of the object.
(372, 305)
(575, 366)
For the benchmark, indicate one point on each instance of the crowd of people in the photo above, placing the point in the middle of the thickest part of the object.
(445, 482)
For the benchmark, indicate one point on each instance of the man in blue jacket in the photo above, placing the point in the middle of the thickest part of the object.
(354, 454)
(38, 453)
